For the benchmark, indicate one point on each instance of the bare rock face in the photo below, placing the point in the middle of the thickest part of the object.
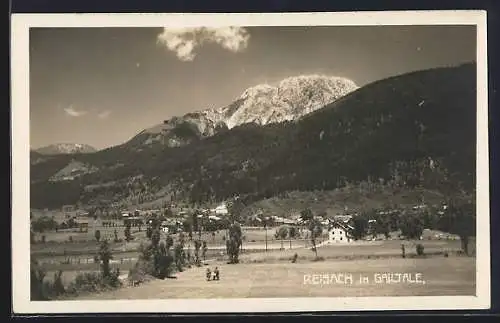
(262, 104)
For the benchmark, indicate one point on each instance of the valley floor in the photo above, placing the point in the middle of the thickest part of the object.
(442, 276)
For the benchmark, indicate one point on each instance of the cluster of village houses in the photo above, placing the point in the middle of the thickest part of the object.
(338, 226)
(339, 229)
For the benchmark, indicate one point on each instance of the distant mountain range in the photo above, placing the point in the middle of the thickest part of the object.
(407, 131)
(262, 104)
(65, 148)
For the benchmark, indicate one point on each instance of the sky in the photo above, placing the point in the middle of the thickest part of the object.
(102, 86)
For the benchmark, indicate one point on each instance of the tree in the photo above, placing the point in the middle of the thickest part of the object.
(235, 209)
(37, 275)
(105, 256)
(293, 232)
(382, 226)
(233, 243)
(169, 242)
(128, 235)
(306, 215)
(430, 220)
(200, 225)
(194, 223)
(165, 264)
(281, 234)
(97, 235)
(204, 250)
(57, 285)
(316, 231)
(313, 225)
(412, 226)
(155, 238)
(168, 212)
(187, 226)
(460, 219)
(360, 224)
(197, 245)
(179, 256)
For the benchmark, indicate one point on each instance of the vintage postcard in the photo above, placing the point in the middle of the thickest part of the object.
(250, 162)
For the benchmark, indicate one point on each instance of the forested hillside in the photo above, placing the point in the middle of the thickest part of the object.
(416, 129)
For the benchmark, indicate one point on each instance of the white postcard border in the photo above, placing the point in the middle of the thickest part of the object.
(20, 163)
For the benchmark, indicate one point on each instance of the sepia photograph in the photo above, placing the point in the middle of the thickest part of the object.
(244, 162)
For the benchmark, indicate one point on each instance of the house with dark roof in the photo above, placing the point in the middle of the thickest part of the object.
(339, 232)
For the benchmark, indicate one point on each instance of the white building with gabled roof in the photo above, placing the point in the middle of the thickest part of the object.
(340, 233)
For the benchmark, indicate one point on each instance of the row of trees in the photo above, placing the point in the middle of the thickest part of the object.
(43, 224)
(458, 217)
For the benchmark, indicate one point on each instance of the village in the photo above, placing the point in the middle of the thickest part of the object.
(336, 228)
(68, 242)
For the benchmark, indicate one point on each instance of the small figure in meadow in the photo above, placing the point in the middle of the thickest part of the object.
(209, 274)
(216, 273)
(403, 252)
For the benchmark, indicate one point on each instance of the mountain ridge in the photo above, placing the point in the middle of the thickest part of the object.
(292, 98)
(412, 130)
(65, 148)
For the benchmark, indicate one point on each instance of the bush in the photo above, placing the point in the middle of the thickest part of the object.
(37, 275)
(112, 279)
(420, 249)
(94, 282)
(57, 285)
(165, 266)
(154, 261)
(141, 271)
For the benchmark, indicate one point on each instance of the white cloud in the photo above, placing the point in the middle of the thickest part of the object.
(72, 112)
(104, 114)
(185, 41)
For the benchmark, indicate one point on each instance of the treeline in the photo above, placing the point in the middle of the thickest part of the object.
(456, 216)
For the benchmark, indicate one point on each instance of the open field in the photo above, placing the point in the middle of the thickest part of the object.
(77, 257)
(215, 238)
(82, 252)
(442, 276)
(362, 249)
(57, 243)
(341, 254)
(76, 235)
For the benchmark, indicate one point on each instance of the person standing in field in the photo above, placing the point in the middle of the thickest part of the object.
(216, 273)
